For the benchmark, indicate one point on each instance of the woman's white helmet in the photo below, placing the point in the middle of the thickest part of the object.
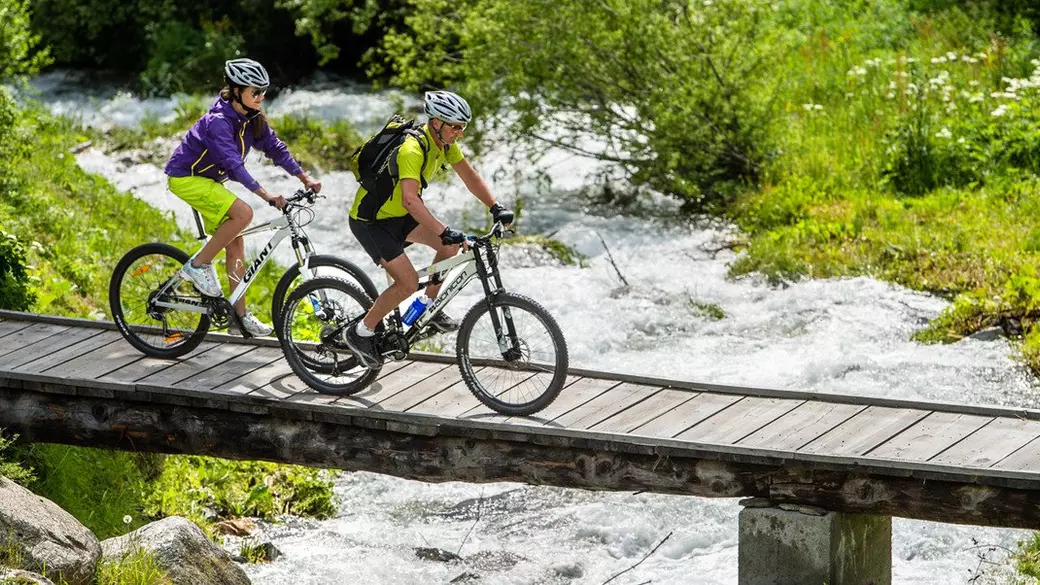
(447, 106)
(246, 72)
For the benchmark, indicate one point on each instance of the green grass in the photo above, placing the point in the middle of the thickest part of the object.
(910, 143)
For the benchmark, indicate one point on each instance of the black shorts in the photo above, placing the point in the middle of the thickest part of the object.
(384, 239)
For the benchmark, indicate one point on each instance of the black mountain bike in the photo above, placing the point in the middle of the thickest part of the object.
(511, 353)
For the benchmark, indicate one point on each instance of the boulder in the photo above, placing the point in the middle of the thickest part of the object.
(181, 550)
(16, 577)
(44, 535)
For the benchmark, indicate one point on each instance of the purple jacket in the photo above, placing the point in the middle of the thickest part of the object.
(217, 145)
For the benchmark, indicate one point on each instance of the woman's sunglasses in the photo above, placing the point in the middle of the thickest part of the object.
(257, 92)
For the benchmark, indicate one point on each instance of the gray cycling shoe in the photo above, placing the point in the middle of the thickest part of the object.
(204, 278)
(443, 323)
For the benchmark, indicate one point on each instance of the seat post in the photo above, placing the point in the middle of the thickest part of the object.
(198, 223)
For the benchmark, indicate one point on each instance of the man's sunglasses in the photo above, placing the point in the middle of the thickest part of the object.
(456, 127)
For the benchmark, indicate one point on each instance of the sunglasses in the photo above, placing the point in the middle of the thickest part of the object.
(456, 127)
(257, 92)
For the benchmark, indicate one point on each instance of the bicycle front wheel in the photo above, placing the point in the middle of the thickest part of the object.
(512, 354)
(145, 275)
(313, 320)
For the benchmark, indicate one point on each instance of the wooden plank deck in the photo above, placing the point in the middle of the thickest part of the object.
(778, 433)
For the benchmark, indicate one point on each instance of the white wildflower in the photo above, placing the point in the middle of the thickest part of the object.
(127, 519)
(951, 56)
(938, 60)
(1000, 111)
(944, 133)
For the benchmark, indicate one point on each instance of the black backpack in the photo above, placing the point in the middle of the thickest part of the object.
(376, 162)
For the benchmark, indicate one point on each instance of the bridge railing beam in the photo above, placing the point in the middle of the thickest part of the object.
(792, 544)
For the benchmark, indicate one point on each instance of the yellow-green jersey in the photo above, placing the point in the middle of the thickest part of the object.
(409, 165)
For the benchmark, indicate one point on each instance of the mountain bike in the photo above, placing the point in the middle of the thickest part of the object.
(511, 353)
(163, 315)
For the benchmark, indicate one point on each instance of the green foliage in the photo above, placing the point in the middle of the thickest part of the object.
(203, 489)
(104, 33)
(184, 57)
(710, 311)
(677, 95)
(98, 487)
(11, 466)
(318, 20)
(19, 55)
(139, 567)
(15, 293)
(316, 144)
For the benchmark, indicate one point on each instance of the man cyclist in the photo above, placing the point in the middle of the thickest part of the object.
(385, 227)
(213, 151)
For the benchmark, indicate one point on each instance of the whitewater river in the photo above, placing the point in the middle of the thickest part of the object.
(833, 336)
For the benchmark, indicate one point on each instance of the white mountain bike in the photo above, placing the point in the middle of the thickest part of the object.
(164, 316)
(511, 353)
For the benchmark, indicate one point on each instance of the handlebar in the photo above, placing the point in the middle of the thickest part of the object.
(497, 231)
(300, 195)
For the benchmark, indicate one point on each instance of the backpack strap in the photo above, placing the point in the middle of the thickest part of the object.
(418, 134)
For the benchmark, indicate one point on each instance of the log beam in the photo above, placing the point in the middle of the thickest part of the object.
(436, 450)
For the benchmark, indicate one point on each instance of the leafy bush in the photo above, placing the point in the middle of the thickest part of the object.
(15, 293)
(676, 97)
(204, 489)
(11, 466)
(19, 55)
(185, 58)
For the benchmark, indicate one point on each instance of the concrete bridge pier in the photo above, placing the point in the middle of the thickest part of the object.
(794, 545)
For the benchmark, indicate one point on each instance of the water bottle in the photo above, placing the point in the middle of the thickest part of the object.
(415, 309)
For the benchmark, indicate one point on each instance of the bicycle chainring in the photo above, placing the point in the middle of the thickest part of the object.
(394, 345)
(219, 312)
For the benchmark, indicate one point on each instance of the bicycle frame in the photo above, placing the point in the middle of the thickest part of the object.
(461, 270)
(283, 228)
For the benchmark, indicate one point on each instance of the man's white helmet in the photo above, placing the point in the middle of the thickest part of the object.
(447, 106)
(247, 73)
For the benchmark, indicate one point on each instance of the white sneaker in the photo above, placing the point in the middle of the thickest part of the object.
(256, 327)
(204, 278)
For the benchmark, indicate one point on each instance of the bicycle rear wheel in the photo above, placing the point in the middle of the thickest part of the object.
(321, 265)
(313, 320)
(144, 275)
(517, 366)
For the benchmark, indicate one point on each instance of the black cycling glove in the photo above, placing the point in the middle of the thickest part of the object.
(499, 213)
(450, 236)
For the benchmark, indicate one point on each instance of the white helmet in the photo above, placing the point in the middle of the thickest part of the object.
(447, 106)
(246, 72)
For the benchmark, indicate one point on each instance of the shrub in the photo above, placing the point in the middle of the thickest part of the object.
(15, 292)
(184, 58)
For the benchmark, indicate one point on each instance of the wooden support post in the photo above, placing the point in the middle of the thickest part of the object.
(780, 546)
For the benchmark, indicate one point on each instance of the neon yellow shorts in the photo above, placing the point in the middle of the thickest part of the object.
(210, 198)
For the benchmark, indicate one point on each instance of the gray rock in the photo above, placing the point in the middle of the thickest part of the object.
(988, 334)
(16, 577)
(182, 550)
(46, 536)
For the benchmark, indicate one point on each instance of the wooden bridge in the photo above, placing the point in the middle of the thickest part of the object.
(78, 382)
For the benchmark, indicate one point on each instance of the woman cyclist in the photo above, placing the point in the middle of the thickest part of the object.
(213, 151)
